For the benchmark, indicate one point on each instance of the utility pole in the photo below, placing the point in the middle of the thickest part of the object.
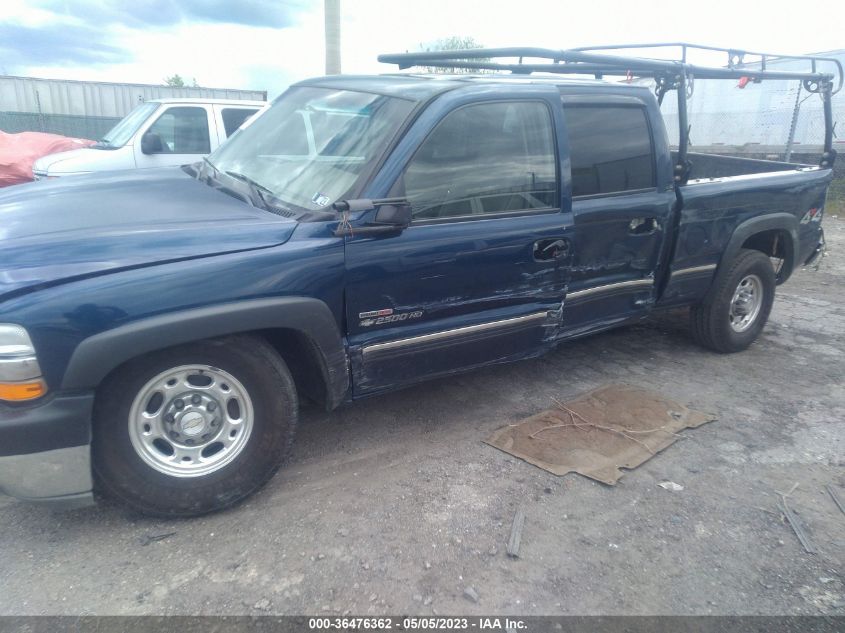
(332, 9)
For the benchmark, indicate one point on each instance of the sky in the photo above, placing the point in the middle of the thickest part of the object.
(269, 44)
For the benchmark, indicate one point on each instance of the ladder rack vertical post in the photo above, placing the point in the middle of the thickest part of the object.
(829, 154)
(681, 171)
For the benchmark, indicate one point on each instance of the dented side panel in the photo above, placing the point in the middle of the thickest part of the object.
(442, 277)
(715, 211)
(410, 359)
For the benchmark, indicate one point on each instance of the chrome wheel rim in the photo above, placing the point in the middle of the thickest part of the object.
(746, 303)
(190, 420)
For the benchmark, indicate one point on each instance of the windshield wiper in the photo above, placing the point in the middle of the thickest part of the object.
(209, 174)
(268, 201)
(259, 195)
(254, 188)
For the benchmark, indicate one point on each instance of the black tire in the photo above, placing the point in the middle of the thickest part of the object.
(121, 473)
(710, 320)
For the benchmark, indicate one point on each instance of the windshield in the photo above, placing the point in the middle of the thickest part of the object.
(314, 145)
(120, 134)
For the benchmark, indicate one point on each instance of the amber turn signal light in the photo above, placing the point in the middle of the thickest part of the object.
(20, 391)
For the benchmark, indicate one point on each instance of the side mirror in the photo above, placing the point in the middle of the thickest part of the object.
(393, 215)
(397, 215)
(151, 144)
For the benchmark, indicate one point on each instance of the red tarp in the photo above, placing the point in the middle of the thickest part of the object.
(19, 151)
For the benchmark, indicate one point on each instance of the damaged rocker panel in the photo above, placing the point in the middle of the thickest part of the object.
(461, 331)
(596, 290)
(693, 270)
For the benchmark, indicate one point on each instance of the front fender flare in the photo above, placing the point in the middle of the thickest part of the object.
(95, 357)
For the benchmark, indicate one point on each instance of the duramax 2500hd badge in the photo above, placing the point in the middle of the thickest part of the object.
(380, 317)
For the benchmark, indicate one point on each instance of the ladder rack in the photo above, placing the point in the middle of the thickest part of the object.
(669, 74)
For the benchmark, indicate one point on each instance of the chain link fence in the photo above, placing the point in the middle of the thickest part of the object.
(90, 127)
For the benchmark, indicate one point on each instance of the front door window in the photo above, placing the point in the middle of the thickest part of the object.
(182, 130)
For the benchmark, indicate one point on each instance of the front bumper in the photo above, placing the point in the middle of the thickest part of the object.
(45, 452)
(60, 478)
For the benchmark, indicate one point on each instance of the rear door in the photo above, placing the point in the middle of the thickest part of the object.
(480, 274)
(230, 118)
(622, 201)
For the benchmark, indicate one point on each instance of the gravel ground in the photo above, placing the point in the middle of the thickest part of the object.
(396, 506)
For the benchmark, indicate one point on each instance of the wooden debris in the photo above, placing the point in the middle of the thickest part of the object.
(152, 538)
(835, 498)
(516, 534)
(796, 527)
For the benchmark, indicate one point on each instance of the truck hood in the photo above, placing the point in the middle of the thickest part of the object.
(57, 230)
(85, 159)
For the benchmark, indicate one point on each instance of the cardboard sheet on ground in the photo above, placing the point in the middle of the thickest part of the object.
(604, 430)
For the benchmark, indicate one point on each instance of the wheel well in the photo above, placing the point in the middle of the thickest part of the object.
(303, 360)
(776, 243)
(300, 354)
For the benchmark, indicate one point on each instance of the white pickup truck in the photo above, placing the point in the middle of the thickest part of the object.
(157, 133)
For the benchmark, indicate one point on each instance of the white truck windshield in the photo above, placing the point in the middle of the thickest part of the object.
(120, 134)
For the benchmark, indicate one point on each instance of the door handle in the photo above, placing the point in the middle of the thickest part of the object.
(643, 226)
(554, 248)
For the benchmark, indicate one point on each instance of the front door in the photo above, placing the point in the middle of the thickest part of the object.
(622, 208)
(183, 136)
(480, 274)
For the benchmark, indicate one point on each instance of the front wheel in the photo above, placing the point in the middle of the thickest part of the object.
(196, 428)
(733, 314)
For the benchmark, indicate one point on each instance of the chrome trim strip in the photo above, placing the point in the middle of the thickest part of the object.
(693, 270)
(435, 336)
(633, 283)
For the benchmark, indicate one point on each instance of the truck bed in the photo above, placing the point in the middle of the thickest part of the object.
(716, 210)
(707, 166)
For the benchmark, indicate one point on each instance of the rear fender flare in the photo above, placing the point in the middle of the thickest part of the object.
(775, 221)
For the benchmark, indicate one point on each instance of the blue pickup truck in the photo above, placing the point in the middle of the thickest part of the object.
(158, 328)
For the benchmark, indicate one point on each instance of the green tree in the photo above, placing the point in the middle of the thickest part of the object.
(453, 43)
(177, 81)
(174, 81)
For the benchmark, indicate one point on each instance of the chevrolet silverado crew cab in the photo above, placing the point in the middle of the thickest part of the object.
(157, 133)
(159, 327)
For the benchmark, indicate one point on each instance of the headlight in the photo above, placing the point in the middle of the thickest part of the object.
(20, 374)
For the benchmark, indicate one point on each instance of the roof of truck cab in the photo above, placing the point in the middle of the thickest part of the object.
(240, 102)
(422, 86)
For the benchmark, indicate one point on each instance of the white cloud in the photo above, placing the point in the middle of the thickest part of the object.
(22, 12)
(237, 56)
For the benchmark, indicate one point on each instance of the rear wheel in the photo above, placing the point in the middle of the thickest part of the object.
(733, 314)
(196, 428)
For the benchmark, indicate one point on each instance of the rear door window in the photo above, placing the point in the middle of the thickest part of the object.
(610, 149)
(233, 118)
